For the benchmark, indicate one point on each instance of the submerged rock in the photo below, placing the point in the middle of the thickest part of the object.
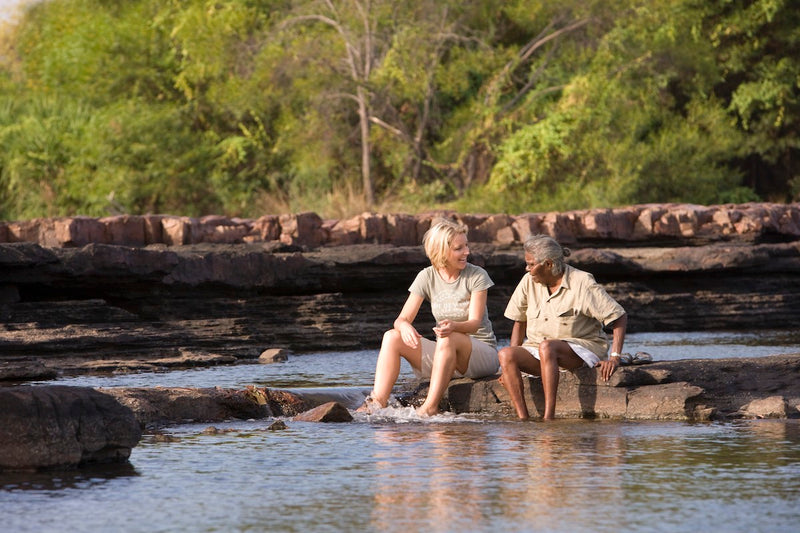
(59, 426)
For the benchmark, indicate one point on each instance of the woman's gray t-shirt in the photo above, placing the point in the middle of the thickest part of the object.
(451, 300)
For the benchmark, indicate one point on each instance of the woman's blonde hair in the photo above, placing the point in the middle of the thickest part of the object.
(439, 237)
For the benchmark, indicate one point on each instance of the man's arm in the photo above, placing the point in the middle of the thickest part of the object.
(518, 333)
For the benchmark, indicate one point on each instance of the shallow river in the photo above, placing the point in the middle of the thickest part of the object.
(395, 472)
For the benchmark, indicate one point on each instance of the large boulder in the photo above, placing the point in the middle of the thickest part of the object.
(59, 426)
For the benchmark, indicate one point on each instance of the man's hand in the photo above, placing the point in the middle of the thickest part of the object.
(607, 367)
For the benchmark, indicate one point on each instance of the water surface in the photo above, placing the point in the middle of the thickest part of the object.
(451, 474)
(395, 472)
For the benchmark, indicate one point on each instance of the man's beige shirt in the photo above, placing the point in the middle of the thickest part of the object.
(576, 312)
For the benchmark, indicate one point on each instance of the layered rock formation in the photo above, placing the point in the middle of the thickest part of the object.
(134, 293)
(158, 292)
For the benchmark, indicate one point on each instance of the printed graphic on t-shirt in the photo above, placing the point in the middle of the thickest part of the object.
(448, 305)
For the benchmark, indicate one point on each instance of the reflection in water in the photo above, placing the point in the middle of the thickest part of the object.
(85, 477)
(470, 476)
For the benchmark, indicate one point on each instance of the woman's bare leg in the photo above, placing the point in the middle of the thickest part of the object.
(452, 352)
(387, 369)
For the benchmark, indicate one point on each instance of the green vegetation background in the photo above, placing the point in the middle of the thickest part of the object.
(248, 107)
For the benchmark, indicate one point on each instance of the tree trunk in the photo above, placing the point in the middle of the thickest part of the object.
(366, 162)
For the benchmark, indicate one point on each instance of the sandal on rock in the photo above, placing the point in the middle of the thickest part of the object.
(639, 358)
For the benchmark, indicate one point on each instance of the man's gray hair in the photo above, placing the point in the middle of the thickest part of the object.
(544, 247)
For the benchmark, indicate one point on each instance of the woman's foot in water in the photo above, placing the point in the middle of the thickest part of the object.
(370, 405)
(427, 411)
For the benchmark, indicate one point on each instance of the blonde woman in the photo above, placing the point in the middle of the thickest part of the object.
(465, 344)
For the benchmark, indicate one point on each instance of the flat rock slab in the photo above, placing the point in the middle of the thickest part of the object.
(689, 389)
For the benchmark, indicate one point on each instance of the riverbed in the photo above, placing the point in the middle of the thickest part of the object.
(395, 472)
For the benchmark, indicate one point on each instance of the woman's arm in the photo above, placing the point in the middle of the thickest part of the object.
(404, 322)
(477, 306)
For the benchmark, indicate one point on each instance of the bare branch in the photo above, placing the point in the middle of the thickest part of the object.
(388, 127)
(527, 51)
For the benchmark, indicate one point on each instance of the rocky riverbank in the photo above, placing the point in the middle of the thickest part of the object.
(57, 426)
(81, 295)
(155, 292)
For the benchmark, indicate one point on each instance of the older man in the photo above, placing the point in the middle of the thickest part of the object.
(559, 313)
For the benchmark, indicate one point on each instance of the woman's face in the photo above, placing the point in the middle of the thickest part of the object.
(459, 251)
(540, 272)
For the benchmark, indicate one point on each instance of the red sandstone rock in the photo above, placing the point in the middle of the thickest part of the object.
(125, 230)
(176, 230)
(374, 229)
(219, 229)
(682, 223)
(561, 226)
(402, 230)
(345, 232)
(497, 228)
(527, 225)
(153, 231)
(327, 412)
(302, 229)
(267, 228)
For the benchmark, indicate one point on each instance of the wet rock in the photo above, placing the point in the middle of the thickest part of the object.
(327, 412)
(278, 425)
(669, 401)
(273, 355)
(772, 407)
(159, 406)
(57, 426)
(26, 370)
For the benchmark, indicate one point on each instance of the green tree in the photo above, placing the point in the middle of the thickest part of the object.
(659, 113)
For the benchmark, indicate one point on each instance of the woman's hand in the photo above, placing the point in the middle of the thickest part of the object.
(444, 328)
(410, 335)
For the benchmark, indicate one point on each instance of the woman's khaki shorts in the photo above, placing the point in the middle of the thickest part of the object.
(482, 361)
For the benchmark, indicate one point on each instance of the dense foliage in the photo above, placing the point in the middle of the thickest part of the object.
(246, 107)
